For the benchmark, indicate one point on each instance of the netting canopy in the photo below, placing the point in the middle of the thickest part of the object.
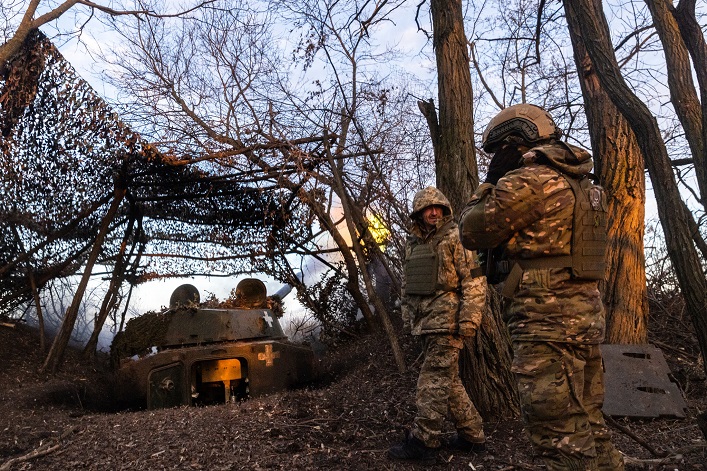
(64, 155)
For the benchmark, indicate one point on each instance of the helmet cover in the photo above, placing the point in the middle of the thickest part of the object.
(528, 122)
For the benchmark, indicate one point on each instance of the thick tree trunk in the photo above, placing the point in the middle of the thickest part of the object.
(485, 362)
(485, 365)
(455, 159)
(672, 211)
(619, 163)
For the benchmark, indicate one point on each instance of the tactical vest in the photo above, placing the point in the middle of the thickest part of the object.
(422, 267)
(589, 229)
(421, 270)
(587, 258)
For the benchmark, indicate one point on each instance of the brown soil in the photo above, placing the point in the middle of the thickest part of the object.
(345, 422)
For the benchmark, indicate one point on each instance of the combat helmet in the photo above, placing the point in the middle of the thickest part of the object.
(529, 122)
(428, 197)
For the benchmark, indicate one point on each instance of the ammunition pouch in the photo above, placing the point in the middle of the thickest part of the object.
(589, 230)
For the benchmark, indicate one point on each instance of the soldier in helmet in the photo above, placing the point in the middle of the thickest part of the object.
(443, 301)
(554, 312)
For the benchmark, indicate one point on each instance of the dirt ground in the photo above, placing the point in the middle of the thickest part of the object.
(346, 421)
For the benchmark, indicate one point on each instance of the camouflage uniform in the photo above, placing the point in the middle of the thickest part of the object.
(556, 322)
(442, 319)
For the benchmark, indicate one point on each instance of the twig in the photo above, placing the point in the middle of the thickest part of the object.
(37, 452)
(639, 440)
(676, 351)
(673, 459)
(41, 451)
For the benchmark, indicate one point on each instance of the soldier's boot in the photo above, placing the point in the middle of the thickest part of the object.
(608, 457)
(465, 446)
(413, 449)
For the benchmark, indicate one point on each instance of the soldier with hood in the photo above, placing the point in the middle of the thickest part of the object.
(442, 301)
(526, 208)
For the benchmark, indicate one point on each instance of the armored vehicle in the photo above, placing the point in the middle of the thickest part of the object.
(196, 354)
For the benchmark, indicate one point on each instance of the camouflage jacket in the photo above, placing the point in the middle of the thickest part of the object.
(457, 306)
(529, 212)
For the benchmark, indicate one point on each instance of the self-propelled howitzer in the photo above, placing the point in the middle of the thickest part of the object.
(195, 355)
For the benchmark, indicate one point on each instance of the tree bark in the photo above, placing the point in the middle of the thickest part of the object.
(455, 160)
(619, 163)
(485, 365)
(672, 211)
(683, 94)
(694, 39)
(485, 362)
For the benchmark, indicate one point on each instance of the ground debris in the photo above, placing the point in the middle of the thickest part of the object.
(346, 422)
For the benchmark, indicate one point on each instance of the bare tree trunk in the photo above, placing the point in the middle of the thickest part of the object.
(619, 163)
(485, 366)
(56, 352)
(683, 94)
(357, 236)
(694, 39)
(674, 215)
(455, 160)
(485, 362)
(352, 284)
(110, 301)
(35, 293)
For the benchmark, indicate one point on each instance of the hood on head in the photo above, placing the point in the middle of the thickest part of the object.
(569, 159)
(427, 197)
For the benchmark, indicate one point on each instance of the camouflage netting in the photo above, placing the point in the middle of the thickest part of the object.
(141, 334)
(63, 152)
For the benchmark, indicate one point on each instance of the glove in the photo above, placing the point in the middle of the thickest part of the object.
(507, 158)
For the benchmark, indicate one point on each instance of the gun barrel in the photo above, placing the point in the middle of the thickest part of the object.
(286, 289)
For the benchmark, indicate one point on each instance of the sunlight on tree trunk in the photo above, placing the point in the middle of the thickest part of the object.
(619, 163)
(674, 216)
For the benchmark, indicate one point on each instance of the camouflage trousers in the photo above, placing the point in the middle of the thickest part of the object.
(440, 391)
(561, 389)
